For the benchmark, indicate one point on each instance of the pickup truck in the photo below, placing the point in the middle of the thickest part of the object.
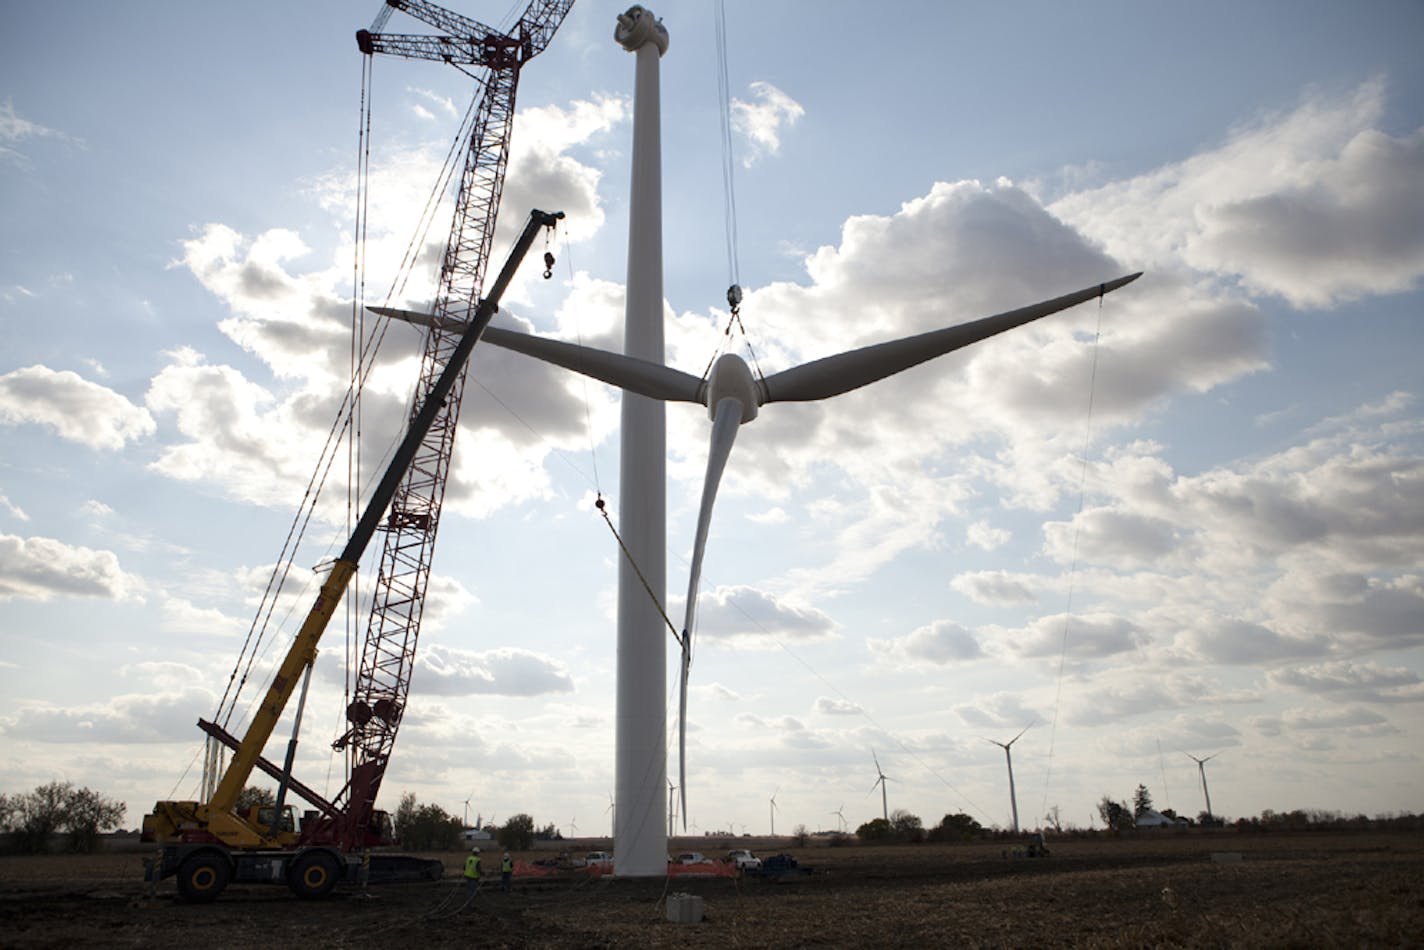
(743, 859)
(598, 859)
(692, 857)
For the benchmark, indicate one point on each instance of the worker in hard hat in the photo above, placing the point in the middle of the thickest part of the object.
(506, 872)
(472, 875)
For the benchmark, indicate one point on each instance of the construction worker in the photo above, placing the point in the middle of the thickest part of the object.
(472, 875)
(506, 872)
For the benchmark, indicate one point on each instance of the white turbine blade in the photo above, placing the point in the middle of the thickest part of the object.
(625, 372)
(418, 318)
(1021, 732)
(725, 423)
(843, 372)
(682, 726)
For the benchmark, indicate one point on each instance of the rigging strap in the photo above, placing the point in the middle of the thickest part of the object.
(603, 510)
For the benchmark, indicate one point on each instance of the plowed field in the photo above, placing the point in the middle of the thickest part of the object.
(1321, 889)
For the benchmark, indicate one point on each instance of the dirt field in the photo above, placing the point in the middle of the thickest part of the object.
(1305, 890)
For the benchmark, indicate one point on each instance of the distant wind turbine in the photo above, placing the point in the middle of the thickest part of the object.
(880, 779)
(1008, 757)
(1201, 768)
(773, 811)
(672, 809)
(613, 816)
(840, 815)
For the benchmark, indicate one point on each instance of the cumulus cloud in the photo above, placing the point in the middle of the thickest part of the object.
(448, 671)
(1115, 537)
(1359, 501)
(1081, 636)
(1000, 711)
(742, 616)
(44, 568)
(995, 413)
(159, 716)
(995, 587)
(1130, 695)
(1353, 721)
(1315, 206)
(1348, 680)
(1233, 641)
(763, 118)
(187, 619)
(827, 706)
(941, 642)
(233, 434)
(291, 315)
(73, 407)
(1307, 552)
(981, 534)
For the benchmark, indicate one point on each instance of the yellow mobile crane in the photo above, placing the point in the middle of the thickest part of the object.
(207, 844)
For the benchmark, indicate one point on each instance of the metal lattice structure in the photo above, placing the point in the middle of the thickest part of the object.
(388, 652)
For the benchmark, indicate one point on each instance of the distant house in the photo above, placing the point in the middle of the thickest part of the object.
(475, 834)
(1155, 819)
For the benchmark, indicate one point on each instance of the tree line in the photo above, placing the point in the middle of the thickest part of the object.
(58, 809)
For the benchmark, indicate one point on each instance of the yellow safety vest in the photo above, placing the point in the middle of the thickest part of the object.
(472, 866)
(507, 866)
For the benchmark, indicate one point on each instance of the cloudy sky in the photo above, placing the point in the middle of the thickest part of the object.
(1190, 520)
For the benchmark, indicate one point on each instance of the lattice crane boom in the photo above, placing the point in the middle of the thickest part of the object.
(388, 652)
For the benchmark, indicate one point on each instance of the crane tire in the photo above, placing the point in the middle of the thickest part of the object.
(314, 874)
(203, 876)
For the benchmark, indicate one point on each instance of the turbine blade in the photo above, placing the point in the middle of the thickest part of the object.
(626, 372)
(725, 423)
(418, 318)
(682, 726)
(1021, 732)
(843, 372)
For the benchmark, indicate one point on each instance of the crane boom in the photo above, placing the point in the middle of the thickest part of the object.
(387, 656)
(304, 648)
(205, 843)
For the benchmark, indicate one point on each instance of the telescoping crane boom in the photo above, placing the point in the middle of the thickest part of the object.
(206, 844)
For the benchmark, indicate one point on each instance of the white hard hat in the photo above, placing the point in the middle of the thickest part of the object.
(474, 850)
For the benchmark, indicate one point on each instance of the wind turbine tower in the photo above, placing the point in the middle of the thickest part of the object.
(773, 811)
(641, 745)
(1201, 769)
(1009, 757)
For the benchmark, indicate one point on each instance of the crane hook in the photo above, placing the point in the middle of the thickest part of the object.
(548, 265)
